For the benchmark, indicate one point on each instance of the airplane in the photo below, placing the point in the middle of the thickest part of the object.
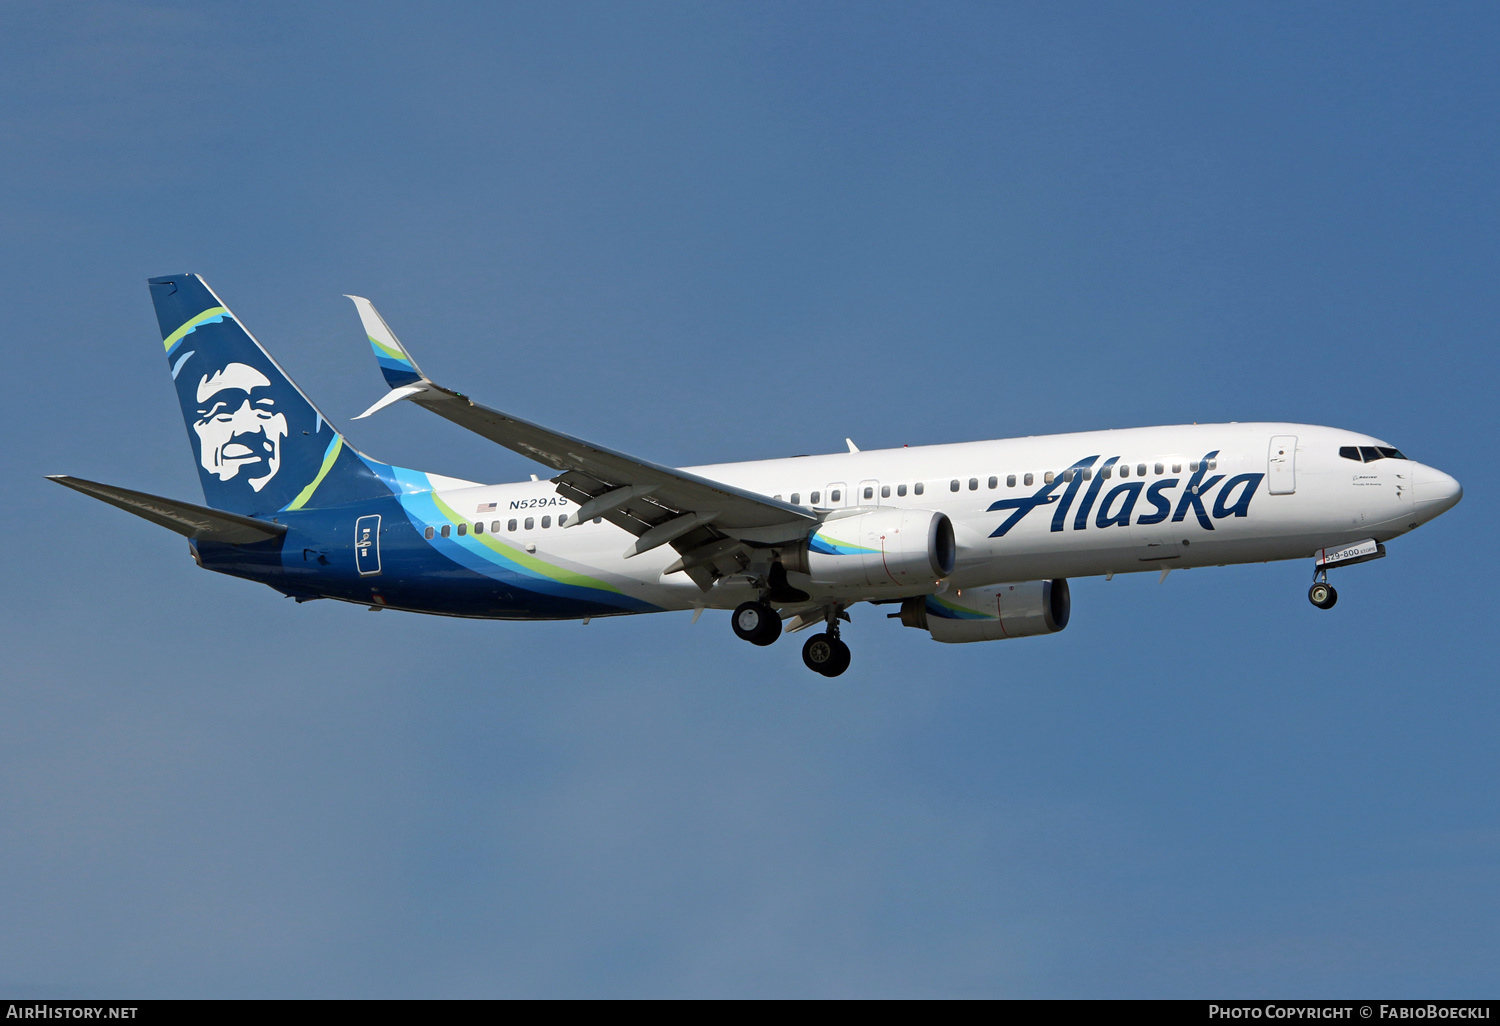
(968, 542)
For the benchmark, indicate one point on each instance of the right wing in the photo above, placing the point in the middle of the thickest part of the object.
(714, 526)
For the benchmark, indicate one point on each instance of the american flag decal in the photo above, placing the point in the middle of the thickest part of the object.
(486, 507)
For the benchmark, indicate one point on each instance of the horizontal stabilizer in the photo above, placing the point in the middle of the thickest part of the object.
(186, 518)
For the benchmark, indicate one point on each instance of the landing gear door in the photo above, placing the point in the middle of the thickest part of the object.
(1281, 469)
(367, 545)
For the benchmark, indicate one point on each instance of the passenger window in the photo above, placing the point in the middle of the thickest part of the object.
(1140, 470)
(796, 498)
(1010, 480)
(885, 491)
(835, 495)
(546, 521)
(463, 529)
(953, 485)
(1124, 470)
(1213, 464)
(1088, 473)
(563, 519)
(901, 489)
(1106, 473)
(598, 520)
(814, 497)
(916, 489)
(1047, 478)
(1370, 453)
(510, 525)
(1067, 476)
(1177, 468)
(428, 533)
(1193, 467)
(973, 484)
(994, 482)
(479, 527)
(869, 491)
(494, 527)
(1160, 468)
(776, 497)
(445, 530)
(530, 523)
(1389, 453)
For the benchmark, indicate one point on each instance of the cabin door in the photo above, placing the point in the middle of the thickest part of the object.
(1281, 468)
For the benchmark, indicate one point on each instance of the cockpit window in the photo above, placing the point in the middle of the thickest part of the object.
(1370, 453)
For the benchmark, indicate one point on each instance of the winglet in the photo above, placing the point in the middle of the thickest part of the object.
(852, 446)
(398, 367)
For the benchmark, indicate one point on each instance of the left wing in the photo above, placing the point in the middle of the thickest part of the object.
(714, 526)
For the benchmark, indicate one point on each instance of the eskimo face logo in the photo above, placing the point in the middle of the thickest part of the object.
(238, 430)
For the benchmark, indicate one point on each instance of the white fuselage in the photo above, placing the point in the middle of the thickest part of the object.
(1271, 491)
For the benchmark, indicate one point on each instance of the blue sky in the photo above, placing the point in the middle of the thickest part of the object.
(734, 231)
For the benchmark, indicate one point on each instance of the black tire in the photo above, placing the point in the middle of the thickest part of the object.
(842, 658)
(756, 623)
(826, 655)
(1322, 595)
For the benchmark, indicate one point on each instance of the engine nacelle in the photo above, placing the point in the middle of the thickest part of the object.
(991, 613)
(884, 548)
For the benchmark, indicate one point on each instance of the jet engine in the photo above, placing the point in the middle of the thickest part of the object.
(884, 548)
(991, 613)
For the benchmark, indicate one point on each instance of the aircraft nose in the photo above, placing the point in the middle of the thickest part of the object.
(1434, 491)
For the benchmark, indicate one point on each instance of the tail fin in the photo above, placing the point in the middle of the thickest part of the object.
(262, 446)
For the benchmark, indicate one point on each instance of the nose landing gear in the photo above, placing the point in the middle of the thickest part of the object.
(1322, 594)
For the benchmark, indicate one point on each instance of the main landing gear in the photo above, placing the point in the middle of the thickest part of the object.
(756, 622)
(759, 624)
(826, 654)
(1321, 594)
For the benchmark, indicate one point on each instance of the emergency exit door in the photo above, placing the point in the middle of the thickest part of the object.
(1281, 465)
(367, 545)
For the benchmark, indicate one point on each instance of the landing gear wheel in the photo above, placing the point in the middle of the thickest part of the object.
(826, 654)
(1322, 595)
(756, 623)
